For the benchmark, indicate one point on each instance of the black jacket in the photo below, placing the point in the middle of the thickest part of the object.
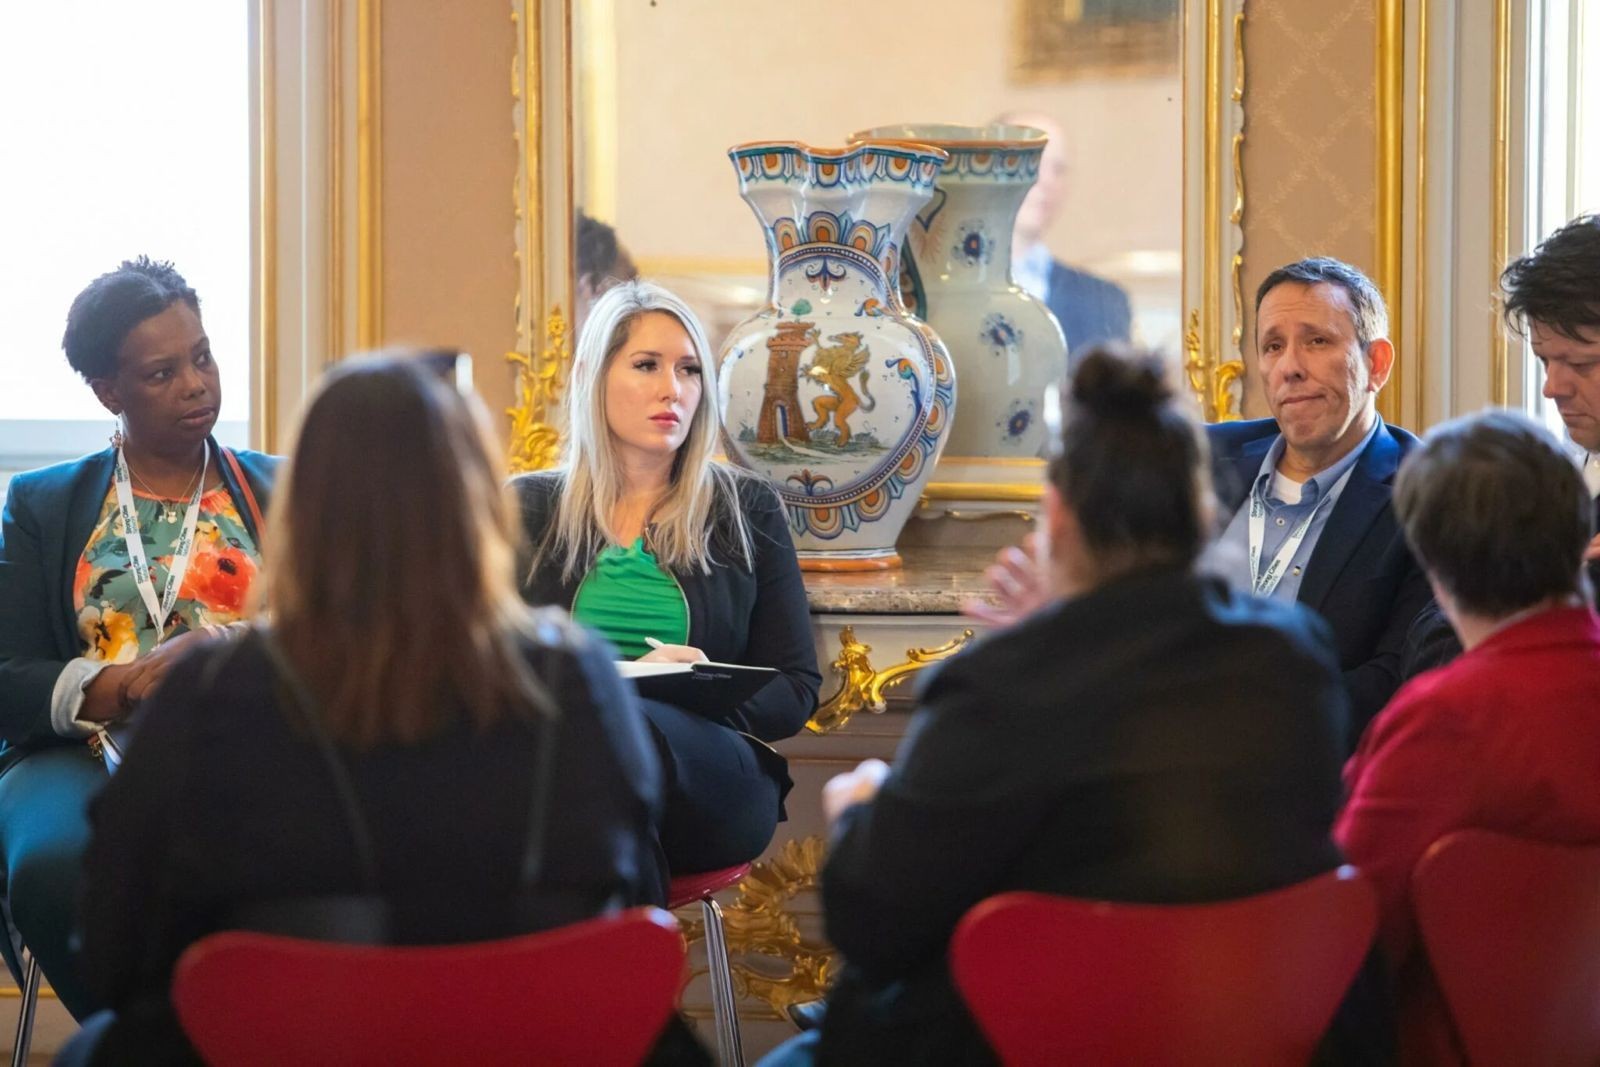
(224, 805)
(757, 617)
(1163, 739)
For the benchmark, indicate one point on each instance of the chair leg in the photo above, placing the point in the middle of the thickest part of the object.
(25, 1012)
(724, 1009)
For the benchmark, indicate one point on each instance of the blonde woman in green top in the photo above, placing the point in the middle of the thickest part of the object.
(642, 533)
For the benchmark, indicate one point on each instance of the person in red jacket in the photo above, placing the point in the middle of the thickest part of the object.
(1506, 737)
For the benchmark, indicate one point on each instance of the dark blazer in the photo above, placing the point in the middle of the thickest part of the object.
(49, 515)
(224, 803)
(1161, 739)
(1089, 308)
(756, 616)
(1361, 576)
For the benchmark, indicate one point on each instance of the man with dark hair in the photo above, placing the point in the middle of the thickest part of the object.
(1504, 738)
(1309, 488)
(1553, 295)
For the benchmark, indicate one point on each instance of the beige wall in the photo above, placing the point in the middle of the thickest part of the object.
(692, 79)
(1310, 152)
(449, 274)
(449, 158)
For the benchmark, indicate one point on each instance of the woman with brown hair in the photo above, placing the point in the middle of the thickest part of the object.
(388, 746)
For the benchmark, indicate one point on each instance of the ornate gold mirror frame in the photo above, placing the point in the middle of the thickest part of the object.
(1213, 212)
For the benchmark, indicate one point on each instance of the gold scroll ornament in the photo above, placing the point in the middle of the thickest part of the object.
(535, 441)
(1210, 378)
(761, 930)
(861, 687)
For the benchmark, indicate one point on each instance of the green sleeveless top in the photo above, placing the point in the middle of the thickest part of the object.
(628, 597)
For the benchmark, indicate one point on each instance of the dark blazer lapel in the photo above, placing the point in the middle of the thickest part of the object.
(1363, 500)
(1594, 564)
(1241, 471)
(81, 508)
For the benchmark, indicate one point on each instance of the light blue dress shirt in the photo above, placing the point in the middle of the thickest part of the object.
(1229, 557)
(1032, 271)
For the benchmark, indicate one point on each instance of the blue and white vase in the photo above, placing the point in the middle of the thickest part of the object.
(832, 391)
(1006, 344)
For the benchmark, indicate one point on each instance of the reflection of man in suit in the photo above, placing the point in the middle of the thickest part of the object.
(1309, 489)
(1091, 309)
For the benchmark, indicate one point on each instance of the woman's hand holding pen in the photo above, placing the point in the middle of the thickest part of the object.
(661, 652)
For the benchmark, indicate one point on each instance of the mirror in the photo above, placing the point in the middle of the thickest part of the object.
(1130, 232)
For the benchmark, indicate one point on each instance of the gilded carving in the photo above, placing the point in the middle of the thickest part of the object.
(1210, 379)
(535, 441)
(861, 686)
(772, 960)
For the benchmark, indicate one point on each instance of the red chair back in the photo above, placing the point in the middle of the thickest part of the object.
(1250, 981)
(596, 993)
(1512, 930)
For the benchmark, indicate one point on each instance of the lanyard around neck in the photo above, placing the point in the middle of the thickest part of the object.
(1264, 583)
(160, 610)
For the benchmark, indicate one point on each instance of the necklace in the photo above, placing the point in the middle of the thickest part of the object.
(169, 508)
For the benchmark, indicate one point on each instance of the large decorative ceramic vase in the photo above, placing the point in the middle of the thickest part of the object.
(832, 391)
(1006, 344)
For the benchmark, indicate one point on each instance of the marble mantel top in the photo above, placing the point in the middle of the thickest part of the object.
(934, 580)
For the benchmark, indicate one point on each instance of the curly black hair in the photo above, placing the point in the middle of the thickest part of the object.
(1557, 284)
(110, 307)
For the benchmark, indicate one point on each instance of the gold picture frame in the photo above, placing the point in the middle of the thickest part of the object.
(1062, 40)
(543, 81)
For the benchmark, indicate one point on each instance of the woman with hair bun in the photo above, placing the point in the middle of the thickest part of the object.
(1145, 734)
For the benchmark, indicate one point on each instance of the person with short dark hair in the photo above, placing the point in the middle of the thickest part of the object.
(1507, 737)
(110, 567)
(1553, 295)
(1145, 735)
(1308, 490)
(600, 262)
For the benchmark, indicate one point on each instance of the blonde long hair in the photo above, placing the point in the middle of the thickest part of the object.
(389, 561)
(702, 496)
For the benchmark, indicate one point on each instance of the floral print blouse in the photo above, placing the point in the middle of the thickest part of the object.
(114, 622)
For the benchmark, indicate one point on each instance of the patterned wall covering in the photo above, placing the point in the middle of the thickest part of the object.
(1310, 143)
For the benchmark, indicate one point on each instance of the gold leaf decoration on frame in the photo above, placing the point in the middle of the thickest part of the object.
(772, 961)
(535, 440)
(1211, 380)
(861, 686)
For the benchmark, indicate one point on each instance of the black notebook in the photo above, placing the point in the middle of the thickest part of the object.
(707, 688)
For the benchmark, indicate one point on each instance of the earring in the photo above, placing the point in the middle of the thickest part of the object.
(117, 439)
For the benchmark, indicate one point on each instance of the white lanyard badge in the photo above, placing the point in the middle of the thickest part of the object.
(1263, 584)
(161, 609)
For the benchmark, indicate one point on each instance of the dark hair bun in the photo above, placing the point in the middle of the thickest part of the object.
(1120, 383)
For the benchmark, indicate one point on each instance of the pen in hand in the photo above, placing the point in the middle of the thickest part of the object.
(672, 653)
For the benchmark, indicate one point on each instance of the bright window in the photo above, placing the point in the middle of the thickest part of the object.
(126, 130)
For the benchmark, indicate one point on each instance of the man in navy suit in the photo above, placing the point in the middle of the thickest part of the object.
(1308, 490)
(1090, 309)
